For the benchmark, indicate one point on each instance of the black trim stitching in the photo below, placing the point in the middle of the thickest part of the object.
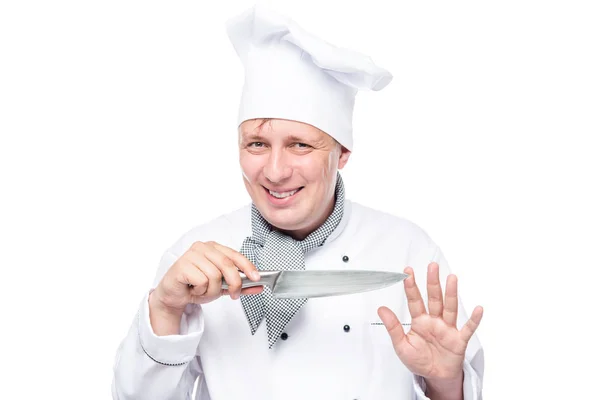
(149, 356)
(162, 363)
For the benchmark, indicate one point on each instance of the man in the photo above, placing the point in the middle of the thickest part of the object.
(295, 134)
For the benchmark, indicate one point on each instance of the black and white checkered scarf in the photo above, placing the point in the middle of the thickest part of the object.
(270, 249)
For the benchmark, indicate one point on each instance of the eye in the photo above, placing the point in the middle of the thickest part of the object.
(256, 144)
(302, 145)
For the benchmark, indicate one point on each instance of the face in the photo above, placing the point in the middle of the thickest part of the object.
(289, 170)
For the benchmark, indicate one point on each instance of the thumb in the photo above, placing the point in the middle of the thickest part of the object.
(392, 324)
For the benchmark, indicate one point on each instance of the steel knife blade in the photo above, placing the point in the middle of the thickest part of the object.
(322, 283)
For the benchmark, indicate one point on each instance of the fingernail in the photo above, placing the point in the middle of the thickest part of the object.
(255, 275)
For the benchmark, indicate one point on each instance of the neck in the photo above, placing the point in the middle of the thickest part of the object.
(301, 234)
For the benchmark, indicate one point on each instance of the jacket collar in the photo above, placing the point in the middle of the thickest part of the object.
(343, 223)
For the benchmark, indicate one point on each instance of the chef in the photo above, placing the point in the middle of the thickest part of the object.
(295, 135)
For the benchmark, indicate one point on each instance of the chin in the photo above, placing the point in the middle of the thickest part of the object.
(286, 219)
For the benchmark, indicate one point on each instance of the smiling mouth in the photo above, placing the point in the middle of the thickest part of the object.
(283, 195)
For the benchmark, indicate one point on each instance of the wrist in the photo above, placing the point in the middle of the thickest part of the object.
(165, 320)
(446, 388)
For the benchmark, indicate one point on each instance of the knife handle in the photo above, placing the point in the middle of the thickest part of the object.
(267, 278)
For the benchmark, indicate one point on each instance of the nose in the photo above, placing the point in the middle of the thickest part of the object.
(278, 168)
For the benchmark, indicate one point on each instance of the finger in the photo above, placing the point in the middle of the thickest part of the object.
(239, 260)
(469, 329)
(246, 291)
(228, 269)
(434, 290)
(195, 279)
(392, 324)
(216, 266)
(213, 274)
(415, 301)
(451, 300)
(253, 290)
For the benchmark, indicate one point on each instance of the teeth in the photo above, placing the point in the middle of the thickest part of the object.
(283, 194)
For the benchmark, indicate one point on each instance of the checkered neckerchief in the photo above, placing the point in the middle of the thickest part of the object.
(270, 249)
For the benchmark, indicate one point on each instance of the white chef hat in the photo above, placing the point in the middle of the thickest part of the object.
(292, 74)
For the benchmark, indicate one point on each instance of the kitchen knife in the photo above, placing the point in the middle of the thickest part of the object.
(306, 284)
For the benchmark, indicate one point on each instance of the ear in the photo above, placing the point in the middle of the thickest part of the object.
(344, 156)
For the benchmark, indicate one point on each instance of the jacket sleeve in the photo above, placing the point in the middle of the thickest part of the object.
(473, 364)
(159, 367)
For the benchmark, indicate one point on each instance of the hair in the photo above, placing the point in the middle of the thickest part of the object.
(263, 122)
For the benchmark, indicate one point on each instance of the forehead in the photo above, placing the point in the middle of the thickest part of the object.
(281, 127)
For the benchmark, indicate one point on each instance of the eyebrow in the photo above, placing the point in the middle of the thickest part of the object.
(253, 136)
(295, 138)
(290, 137)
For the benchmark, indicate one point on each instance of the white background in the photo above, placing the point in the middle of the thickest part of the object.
(118, 134)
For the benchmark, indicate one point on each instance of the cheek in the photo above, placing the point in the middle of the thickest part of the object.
(332, 161)
(318, 168)
(251, 167)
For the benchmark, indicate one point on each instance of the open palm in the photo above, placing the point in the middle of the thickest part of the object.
(433, 348)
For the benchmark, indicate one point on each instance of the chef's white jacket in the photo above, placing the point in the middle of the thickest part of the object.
(336, 347)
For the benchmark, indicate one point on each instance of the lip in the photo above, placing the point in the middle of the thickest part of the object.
(286, 200)
(283, 190)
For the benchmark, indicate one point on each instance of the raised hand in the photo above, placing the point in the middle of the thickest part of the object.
(433, 348)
